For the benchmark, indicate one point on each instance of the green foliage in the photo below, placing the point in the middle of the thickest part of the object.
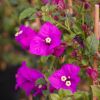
(46, 10)
(92, 45)
(68, 95)
(96, 91)
(46, 92)
(64, 93)
(81, 96)
(27, 13)
(54, 97)
(40, 81)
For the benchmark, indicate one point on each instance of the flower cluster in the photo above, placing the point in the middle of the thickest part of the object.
(43, 43)
(47, 41)
(26, 79)
(65, 78)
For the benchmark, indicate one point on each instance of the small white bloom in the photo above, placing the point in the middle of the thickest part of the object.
(48, 40)
(68, 83)
(63, 78)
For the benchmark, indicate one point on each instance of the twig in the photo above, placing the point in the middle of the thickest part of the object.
(96, 31)
(96, 22)
(70, 6)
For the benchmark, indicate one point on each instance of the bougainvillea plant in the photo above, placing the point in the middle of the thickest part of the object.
(62, 40)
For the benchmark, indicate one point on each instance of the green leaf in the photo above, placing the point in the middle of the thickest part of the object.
(77, 95)
(81, 96)
(26, 13)
(54, 97)
(96, 91)
(48, 8)
(64, 93)
(47, 18)
(41, 81)
(46, 92)
(44, 59)
(68, 98)
(92, 44)
(84, 62)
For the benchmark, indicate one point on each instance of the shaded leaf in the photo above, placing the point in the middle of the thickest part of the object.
(54, 97)
(41, 81)
(64, 93)
(92, 44)
(27, 13)
(96, 91)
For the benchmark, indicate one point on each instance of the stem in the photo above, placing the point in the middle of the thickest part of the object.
(70, 6)
(51, 66)
(96, 22)
(83, 14)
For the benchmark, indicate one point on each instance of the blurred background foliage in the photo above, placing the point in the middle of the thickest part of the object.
(10, 52)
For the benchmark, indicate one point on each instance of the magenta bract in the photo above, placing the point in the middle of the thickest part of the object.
(47, 39)
(66, 77)
(59, 50)
(92, 73)
(24, 36)
(26, 79)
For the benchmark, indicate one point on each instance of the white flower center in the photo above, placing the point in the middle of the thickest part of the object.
(48, 40)
(63, 78)
(18, 33)
(68, 83)
(40, 86)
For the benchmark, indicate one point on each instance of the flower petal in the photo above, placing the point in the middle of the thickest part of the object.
(49, 29)
(55, 79)
(25, 36)
(38, 47)
(71, 69)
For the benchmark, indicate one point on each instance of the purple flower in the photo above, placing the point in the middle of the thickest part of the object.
(84, 27)
(66, 77)
(60, 3)
(48, 38)
(92, 73)
(26, 79)
(59, 50)
(24, 36)
(87, 5)
(74, 53)
(79, 40)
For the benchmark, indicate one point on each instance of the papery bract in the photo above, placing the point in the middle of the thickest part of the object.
(59, 50)
(92, 73)
(26, 79)
(24, 36)
(47, 39)
(87, 5)
(60, 3)
(66, 77)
